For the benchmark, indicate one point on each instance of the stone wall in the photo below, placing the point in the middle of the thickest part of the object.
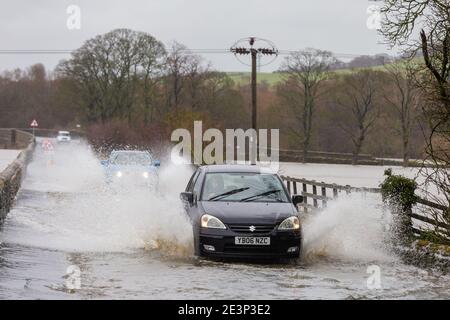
(11, 177)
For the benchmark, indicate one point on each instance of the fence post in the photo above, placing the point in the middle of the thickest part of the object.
(305, 186)
(347, 189)
(305, 199)
(294, 184)
(335, 193)
(315, 193)
(324, 193)
(403, 223)
(13, 138)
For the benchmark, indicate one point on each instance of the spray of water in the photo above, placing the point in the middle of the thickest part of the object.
(70, 207)
(351, 228)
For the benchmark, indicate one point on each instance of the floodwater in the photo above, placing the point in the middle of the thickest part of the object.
(70, 236)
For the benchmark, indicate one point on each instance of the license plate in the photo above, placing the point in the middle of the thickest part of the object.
(253, 241)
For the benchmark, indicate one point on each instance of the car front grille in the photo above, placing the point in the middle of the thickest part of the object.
(247, 228)
(258, 250)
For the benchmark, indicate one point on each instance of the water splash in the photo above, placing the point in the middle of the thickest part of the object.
(66, 205)
(352, 228)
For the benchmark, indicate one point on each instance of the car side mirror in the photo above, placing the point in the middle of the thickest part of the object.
(156, 163)
(104, 163)
(187, 196)
(296, 199)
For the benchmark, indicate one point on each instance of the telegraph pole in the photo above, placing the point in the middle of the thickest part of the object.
(254, 52)
(254, 87)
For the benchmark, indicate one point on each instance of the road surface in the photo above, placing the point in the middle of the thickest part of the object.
(70, 237)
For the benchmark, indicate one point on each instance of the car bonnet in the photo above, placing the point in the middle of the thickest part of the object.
(248, 212)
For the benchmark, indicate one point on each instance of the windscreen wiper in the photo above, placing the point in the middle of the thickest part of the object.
(262, 195)
(228, 193)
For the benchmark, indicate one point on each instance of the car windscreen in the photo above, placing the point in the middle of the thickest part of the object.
(245, 187)
(64, 134)
(132, 158)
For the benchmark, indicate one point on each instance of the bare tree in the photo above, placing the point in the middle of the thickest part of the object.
(424, 25)
(24, 95)
(357, 103)
(109, 69)
(196, 75)
(152, 68)
(176, 69)
(304, 72)
(404, 99)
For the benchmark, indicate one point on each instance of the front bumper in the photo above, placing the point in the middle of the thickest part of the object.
(224, 245)
(133, 179)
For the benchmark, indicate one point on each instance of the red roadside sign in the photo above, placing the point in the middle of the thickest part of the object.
(34, 123)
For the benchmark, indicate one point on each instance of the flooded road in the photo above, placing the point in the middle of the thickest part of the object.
(70, 236)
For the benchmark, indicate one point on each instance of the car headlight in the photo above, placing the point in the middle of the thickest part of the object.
(145, 175)
(291, 223)
(119, 174)
(209, 221)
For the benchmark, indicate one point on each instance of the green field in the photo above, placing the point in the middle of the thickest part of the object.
(243, 78)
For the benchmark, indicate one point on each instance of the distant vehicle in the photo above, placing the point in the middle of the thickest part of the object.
(136, 167)
(63, 136)
(240, 211)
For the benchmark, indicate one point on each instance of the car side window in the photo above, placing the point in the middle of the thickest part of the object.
(191, 183)
(197, 187)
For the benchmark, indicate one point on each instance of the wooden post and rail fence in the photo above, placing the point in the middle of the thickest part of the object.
(437, 218)
(317, 194)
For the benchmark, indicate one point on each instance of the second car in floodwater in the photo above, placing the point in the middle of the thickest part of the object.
(131, 167)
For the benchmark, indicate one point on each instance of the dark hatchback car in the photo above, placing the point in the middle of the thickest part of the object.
(240, 211)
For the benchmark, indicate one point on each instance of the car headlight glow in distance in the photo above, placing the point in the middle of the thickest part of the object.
(208, 221)
(145, 175)
(291, 223)
(118, 174)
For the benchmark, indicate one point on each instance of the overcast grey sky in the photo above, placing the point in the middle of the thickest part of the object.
(336, 25)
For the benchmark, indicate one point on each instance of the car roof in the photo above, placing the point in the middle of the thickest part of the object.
(235, 168)
(129, 151)
(63, 132)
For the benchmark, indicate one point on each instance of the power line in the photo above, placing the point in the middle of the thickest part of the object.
(33, 51)
(185, 51)
(67, 51)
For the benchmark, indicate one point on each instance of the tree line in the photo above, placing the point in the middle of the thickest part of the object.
(376, 107)
(127, 87)
(423, 27)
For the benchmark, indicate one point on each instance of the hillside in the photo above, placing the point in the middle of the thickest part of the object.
(273, 78)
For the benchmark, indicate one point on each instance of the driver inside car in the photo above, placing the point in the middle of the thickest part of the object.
(215, 186)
